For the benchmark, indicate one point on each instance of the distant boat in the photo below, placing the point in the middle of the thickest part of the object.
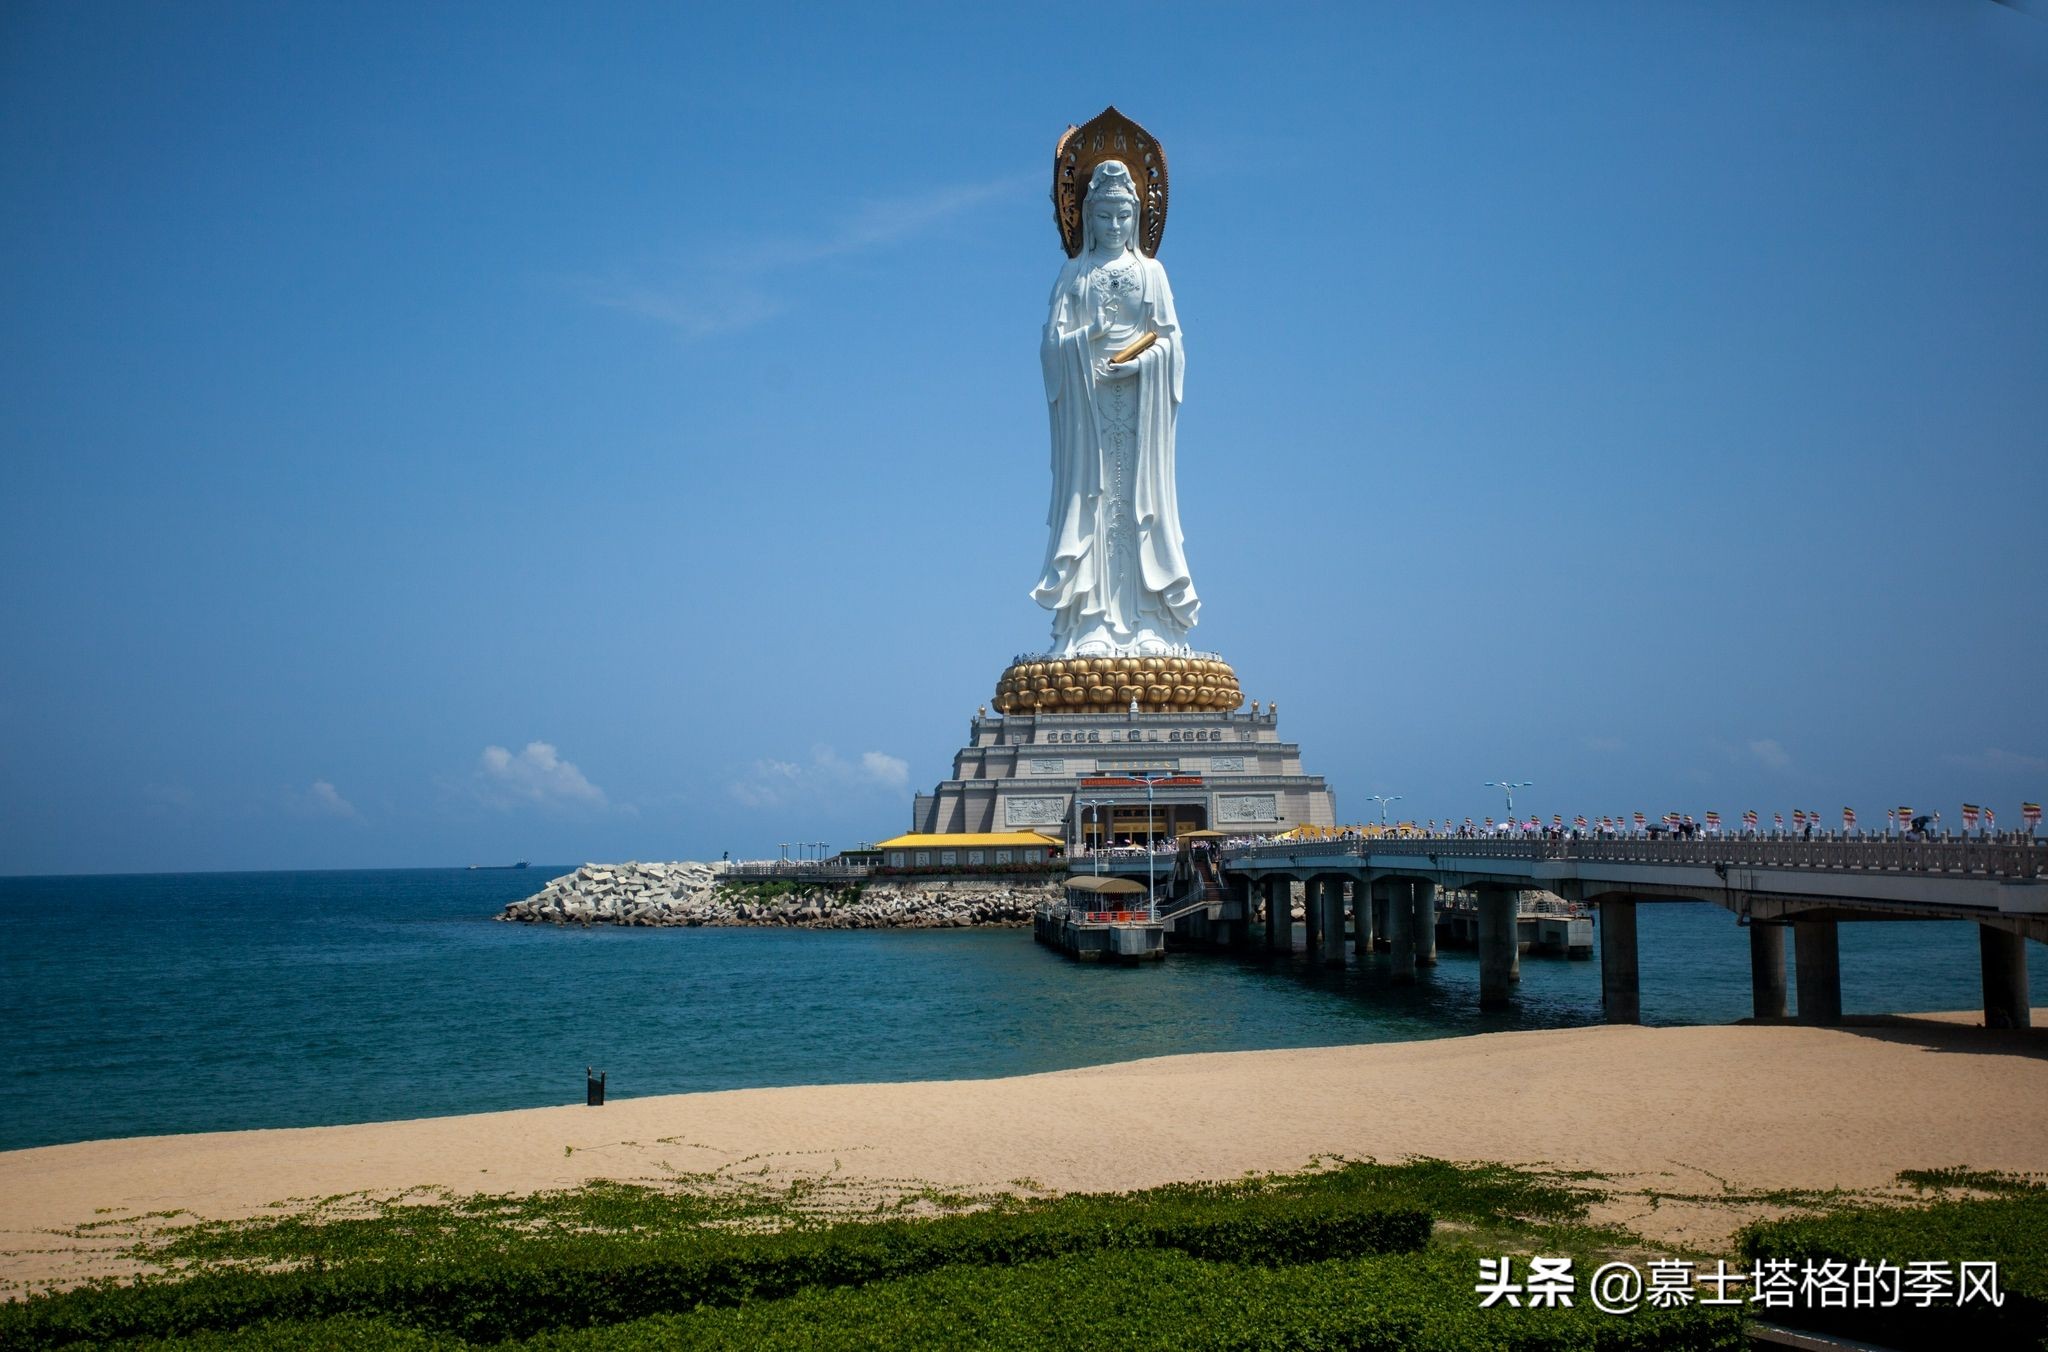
(520, 864)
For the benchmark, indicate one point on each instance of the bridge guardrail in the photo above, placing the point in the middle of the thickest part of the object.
(2019, 860)
(803, 872)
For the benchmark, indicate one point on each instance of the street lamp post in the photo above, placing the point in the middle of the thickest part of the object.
(1509, 786)
(1091, 804)
(1383, 799)
(1151, 819)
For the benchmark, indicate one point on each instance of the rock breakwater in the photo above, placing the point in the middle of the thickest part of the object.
(689, 893)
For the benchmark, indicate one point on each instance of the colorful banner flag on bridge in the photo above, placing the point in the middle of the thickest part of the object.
(1778, 820)
(1798, 819)
(1557, 821)
(1580, 821)
(1749, 820)
(1639, 821)
(1713, 821)
(1848, 819)
(1905, 819)
(2030, 813)
(1489, 822)
(1990, 820)
(1970, 812)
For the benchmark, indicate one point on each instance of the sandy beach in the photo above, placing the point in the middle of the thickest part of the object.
(1707, 1111)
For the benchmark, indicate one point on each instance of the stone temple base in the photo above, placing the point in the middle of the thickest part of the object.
(1108, 685)
(1067, 775)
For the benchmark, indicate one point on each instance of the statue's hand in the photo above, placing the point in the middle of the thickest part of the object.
(1105, 369)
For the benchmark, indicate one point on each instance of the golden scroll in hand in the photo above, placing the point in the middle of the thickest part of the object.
(1132, 352)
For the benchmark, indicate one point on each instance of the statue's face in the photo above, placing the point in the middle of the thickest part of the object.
(1115, 220)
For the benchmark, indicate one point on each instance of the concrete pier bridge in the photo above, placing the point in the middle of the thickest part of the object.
(1772, 885)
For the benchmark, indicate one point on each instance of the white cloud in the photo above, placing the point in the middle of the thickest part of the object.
(771, 783)
(705, 306)
(890, 772)
(1770, 755)
(324, 800)
(535, 775)
(724, 287)
(768, 783)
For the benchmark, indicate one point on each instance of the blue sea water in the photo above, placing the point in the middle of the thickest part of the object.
(138, 1005)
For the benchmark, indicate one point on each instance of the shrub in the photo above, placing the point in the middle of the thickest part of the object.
(1170, 1301)
(483, 1290)
(2011, 1231)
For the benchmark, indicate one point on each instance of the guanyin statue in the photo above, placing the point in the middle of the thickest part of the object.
(1116, 570)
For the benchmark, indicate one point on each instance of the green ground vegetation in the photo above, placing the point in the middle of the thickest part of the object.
(1348, 1254)
(2009, 1227)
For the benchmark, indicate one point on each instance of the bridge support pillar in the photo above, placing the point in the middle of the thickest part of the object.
(1312, 915)
(1766, 970)
(1401, 931)
(1425, 924)
(1361, 916)
(1620, 989)
(2004, 956)
(1238, 933)
(1333, 921)
(1382, 914)
(1499, 945)
(1817, 957)
(1279, 920)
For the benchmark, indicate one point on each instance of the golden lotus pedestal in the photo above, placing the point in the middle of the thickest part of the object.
(1108, 685)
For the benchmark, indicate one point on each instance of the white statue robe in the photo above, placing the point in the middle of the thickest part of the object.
(1086, 594)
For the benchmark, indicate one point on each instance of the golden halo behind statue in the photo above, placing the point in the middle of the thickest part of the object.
(1110, 136)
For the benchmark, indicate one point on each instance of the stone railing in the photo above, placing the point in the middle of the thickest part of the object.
(798, 871)
(2017, 859)
(1181, 651)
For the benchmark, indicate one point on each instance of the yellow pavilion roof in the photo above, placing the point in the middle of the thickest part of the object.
(918, 840)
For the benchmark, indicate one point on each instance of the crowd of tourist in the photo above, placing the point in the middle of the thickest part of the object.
(1637, 826)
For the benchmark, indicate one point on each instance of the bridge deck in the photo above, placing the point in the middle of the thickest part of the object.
(1998, 881)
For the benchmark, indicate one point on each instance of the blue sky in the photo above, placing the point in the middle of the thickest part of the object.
(432, 434)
